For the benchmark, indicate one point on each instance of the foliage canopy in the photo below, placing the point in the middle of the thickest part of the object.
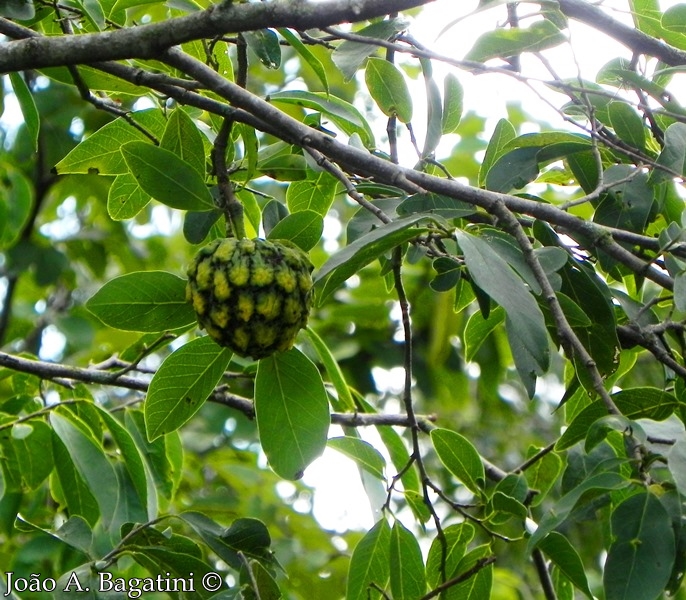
(528, 280)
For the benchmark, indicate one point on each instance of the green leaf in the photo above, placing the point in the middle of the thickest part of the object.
(363, 453)
(33, 450)
(182, 137)
(143, 301)
(100, 153)
(343, 114)
(362, 251)
(561, 552)
(284, 167)
(22, 10)
(434, 111)
(314, 193)
(478, 329)
(673, 155)
(634, 403)
(126, 198)
(16, 203)
(408, 576)
(25, 99)
(478, 585)
(431, 203)
(603, 481)
(336, 376)
(543, 474)
(503, 43)
(370, 563)
(304, 52)
(92, 464)
(448, 272)
(265, 44)
(166, 177)
(457, 537)
(503, 133)
(639, 562)
(627, 123)
(182, 384)
(292, 412)
(349, 55)
(460, 458)
(674, 18)
(303, 228)
(388, 88)
(452, 104)
(493, 275)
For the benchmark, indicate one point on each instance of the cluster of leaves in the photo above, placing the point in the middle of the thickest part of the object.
(554, 281)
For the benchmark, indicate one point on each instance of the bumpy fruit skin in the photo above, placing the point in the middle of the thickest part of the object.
(252, 296)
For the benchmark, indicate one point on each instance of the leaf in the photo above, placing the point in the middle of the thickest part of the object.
(91, 463)
(16, 203)
(126, 198)
(434, 111)
(362, 251)
(23, 10)
(24, 96)
(34, 453)
(349, 55)
(292, 412)
(303, 228)
(443, 206)
(477, 585)
(342, 113)
(627, 123)
(265, 44)
(604, 481)
(166, 177)
(284, 167)
(315, 193)
(408, 576)
(363, 453)
(492, 274)
(634, 403)
(674, 18)
(452, 104)
(510, 42)
(143, 301)
(182, 384)
(478, 329)
(448, 272)
(457, 537)
(304, 52)
(370, 563)
(334, 371)
(388, 88)
(460, 458)
(639, 561)
(503, 133)
(673, 155)
(100, 153)
(561, 552)
(182, 137)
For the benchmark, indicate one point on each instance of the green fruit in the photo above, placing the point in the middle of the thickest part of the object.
(252, 296)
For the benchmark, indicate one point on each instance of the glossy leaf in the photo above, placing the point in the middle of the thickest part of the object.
(303, 228)
(292, 411)
(495, 277)
(126, 198)
(100, 153)
(457, 538)
(182, 137)
(387, 86)
(182, 384)
(166, 177)
(408, 576)
(350, 55)
(364, 454)
(627, 124)
(314, 63)
(25, 99)
(479, 584)
(143, 301)
(362, 251)
(460, 457)
(561, 552)
(265, 44)
(370, 563)
(503, 133)
(639, 561)
(452, 104)
(509, 42)
(315, 193)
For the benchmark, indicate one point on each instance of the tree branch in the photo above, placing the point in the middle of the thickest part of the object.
(147, 41)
